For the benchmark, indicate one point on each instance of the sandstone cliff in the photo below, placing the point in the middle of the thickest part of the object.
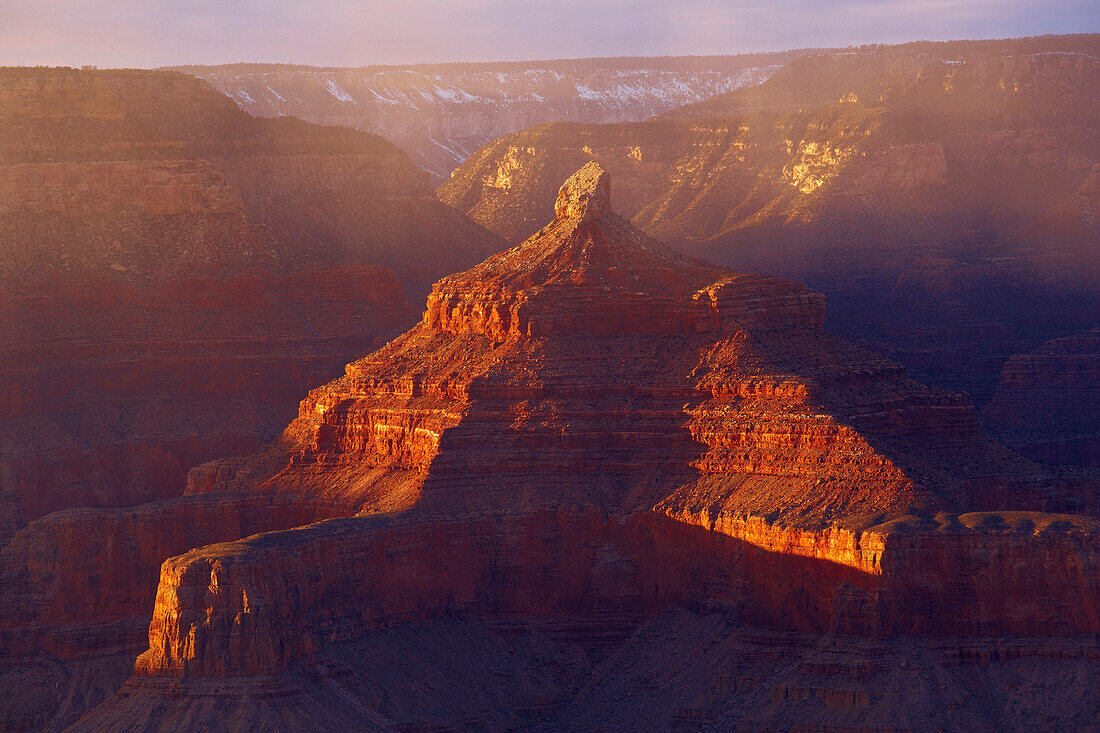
(549, 451)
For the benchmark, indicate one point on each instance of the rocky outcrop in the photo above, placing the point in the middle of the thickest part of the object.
(75, 582)
(580, 479)
(228, 610)
(769, 401)
(440, 113)
(175, 274)
(77, 587)
(939, 195)
(1045, 405)
(596, 265)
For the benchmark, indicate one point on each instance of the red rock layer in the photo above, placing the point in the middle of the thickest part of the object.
(591, 273)
(257, 606)
(78, 583)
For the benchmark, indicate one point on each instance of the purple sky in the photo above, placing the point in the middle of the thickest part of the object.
(357, 32)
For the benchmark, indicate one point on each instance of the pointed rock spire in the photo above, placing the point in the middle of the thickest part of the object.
(591, 271)
(586, 195)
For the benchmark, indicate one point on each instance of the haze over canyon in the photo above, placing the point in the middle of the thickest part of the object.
(722, 393)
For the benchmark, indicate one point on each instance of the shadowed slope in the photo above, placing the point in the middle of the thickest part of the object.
(175, 273)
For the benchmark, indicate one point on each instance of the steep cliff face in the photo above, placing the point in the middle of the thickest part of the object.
(516, 457)
(885, 122)
(77, 586)
(939, 196)
(265, 604)
(174, 274)
(75, 581)
(440, 113)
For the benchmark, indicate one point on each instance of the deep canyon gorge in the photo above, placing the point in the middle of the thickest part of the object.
(717, 393)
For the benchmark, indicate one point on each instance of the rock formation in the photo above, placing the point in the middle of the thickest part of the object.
(941, 195)
(589, 431)
(440, 113)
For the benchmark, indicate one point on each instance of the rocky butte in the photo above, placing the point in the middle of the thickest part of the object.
(604, 485)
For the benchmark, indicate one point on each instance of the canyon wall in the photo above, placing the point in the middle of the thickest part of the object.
(175, 274)
(258, 606)
(942, 196)
(440, 113)
(583, 435)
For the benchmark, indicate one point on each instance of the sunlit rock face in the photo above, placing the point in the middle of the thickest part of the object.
(440, 113)
(938, 194)
(516, 461)
(174, 274)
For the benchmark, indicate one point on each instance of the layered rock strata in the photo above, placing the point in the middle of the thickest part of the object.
(227, 610)
(542, 449)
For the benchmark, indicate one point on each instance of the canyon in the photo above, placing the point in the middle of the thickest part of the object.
(793, 429)
(440, 113)
(942, 195)
(591, 450)
(174, 274)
